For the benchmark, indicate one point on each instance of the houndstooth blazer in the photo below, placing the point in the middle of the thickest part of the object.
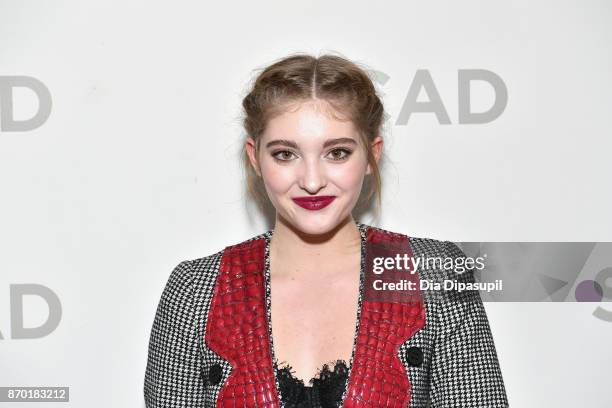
(450, 361)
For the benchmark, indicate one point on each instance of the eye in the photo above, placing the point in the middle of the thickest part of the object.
(283, 155)
(340, 154)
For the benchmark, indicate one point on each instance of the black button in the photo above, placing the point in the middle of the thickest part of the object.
(415, 356)
(214, 374)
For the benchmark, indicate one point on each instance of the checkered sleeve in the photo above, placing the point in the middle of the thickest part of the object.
(172, 376)
(465, 369)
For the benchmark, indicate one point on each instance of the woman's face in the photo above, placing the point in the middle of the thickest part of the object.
(305, 154)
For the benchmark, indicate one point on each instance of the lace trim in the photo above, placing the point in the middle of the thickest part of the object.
(325, 391)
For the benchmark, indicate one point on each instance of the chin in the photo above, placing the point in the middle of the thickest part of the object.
(316, 223)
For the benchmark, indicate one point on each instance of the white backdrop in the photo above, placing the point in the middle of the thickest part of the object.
(136, 167)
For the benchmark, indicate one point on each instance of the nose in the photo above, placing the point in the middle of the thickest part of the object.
(312, 177)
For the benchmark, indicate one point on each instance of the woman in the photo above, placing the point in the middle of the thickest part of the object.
(290, 317)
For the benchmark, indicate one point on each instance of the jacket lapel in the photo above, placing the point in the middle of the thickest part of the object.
(237, 327)
(388, 318)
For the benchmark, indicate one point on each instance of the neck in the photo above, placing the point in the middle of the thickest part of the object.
(343, 239)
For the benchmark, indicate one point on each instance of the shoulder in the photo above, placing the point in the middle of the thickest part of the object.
(206, 265)
(420, 245)
(443, 268)
(436, 261)
(430, 246)
(447, 277)
(439, 261)
(192, 282)
(209, 264)
(200, 273)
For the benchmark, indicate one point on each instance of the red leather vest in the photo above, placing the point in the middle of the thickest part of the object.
(238, 330)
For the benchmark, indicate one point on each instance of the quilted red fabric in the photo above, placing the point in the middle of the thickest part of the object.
(237, 328)
(377, 376)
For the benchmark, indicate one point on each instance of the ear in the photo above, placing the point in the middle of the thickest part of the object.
(377, 148)
(251, 152)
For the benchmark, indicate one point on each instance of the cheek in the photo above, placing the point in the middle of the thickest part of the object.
(348, 176)
(277, 178)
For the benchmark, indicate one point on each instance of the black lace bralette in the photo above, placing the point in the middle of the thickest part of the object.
(325, 391)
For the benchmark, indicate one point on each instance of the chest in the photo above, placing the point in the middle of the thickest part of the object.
(314, 321)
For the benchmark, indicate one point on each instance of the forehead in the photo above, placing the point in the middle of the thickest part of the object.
(311, 120)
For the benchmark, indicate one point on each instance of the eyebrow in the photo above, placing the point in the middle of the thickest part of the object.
(330, 142)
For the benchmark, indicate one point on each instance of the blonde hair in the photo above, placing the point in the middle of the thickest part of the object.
(301, 77)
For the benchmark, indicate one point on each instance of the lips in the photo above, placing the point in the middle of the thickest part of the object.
(314, 203)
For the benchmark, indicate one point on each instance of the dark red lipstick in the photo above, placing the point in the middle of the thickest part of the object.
(314, 203)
